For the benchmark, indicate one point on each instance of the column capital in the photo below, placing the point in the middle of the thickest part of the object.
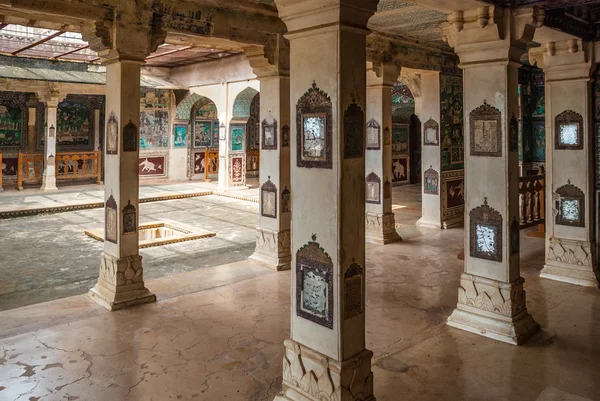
(270, 61)
(382, 74)
(563, 60)
(491, 34)
(307, 15)
(132, 33)
(51, 96)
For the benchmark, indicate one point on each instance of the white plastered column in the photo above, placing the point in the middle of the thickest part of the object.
(431, 155)
(326, 358)
(491, 298)
(51, 99)
(121, 281)
(379, 218)
(567, 63)
(273, 234)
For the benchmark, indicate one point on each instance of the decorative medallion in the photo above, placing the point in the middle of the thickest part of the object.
(314, 284)
(112, 135)
(432, 133)
(432, 182)
(237, 137)
(353, 131)
(486, 131)
(130, 137)
(110, 217)
(180, 135)
(353, 290)
(515, 240)
(568, 134)
(387, 136)
(570, 204)
(268, 197)
(373, 186)
(314, 129)
(285, 136)
(373, 135)
(285, 201)
(269, 136)
(513, 134)
(129, 219)
(486, 233)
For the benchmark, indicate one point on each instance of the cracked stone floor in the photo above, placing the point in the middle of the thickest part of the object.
(216, 333)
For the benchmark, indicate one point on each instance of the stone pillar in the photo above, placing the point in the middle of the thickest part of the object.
(51, 100)
(123, 48)
(431, 155)
(379, 218)
(32, 103)
(569, 145)
(491, 299)
(96, 129)
(273, 231)
(326, 358)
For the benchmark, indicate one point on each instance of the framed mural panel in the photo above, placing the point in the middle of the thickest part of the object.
(154, 128)
(199, 162)
(485, 233)
(568, 134)
(203, 133)
(112, 135)
(373, 135)
(400, 170)
(432, 182)
(486, 131)
(180, 135)
(237, 137)
(268, 197)
(373, 188)
(400, 138)
(269, 134)
(354, 120)
(153, 165)
(431, 130)
(9, 166)
(314, 129)
(314, 284)
(13, 122)
(539, 141)
(453, 194)
(75, 124)
(452, 140)
(129, 219)
(570, 206)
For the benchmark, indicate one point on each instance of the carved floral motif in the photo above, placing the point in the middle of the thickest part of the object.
(507, 299)
(569, 251)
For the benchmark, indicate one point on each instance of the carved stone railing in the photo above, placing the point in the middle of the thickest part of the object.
(211, 160)
(69, 166)
(531, 199)
(252, 160)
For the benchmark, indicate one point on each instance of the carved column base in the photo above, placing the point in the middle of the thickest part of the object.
(570, 261)
(493, 309)
(311, 376)
(120, 283)
(429, 223)
(381, 228)
(272, 249)
(48, 182)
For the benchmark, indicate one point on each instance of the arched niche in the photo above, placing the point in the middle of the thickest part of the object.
(246, 115)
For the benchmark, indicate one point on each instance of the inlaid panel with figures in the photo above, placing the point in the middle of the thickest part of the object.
(269, 134)
(431, 133)
(432, 182)
(268, 198)
(314, 284)
(570, 205)
(314, 129)
(568, 133)
(486, 131)
(485, 233)
(373, 135)
(13, 121)
(373, 188)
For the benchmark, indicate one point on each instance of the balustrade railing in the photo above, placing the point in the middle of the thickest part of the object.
(69, 166)
(531, 199)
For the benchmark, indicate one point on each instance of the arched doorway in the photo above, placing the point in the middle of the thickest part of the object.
(245, 131)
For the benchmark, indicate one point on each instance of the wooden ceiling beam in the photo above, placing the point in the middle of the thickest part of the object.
(37, 43)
